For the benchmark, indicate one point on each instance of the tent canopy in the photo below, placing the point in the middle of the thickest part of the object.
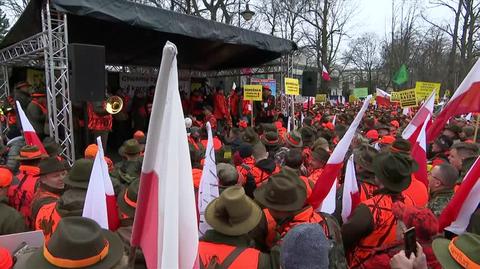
(134, 34)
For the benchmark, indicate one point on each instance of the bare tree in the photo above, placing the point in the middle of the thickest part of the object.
(15, 7)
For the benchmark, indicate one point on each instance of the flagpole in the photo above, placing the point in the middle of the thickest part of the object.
(251, 115)
(476, 129)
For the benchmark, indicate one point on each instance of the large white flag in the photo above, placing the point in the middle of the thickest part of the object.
(166, 218)
(208, 189)
(351, 195)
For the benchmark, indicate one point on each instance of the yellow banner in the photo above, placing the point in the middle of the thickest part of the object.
(320, 98)
(292, 86)
(408, 98)
(424, 89)
(395, 97)
(352, 98)
(252, 92)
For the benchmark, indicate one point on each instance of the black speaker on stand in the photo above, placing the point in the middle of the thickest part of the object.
(309, 83)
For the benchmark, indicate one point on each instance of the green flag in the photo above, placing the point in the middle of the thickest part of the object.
(401, 76)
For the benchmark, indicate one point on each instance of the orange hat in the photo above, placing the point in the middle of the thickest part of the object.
(6, 261)
(278, 124)
(91, 151)
(329, 126)
(372, 134)
(6, 177)
(138, 135)
(387, 140)
(395, 123)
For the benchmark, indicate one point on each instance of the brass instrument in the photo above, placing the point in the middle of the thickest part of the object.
(114, 104)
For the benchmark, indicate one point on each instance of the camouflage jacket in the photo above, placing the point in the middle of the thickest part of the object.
(439, 200)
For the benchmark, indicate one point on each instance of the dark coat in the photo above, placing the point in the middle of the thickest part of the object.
(11, 221)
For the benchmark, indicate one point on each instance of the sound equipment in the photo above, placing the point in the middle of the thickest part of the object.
(309, 83)
(86, 72)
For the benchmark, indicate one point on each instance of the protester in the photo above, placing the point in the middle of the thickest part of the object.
(441, 181)
(440, 150)
(461, 151)
(11, 221)
(22, 94)
(363, 158)
(37, 112)
(460, 252)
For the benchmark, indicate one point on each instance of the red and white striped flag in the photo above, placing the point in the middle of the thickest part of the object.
(419, 154)
(466, 99)
(456, 215)
(31, 137)
(324, 191)
(100, 201)
(325, 74)
(351, 195)
(165, 224)
(413, 128)
(383, 98)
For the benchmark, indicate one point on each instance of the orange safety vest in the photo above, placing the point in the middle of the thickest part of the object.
(246, 167)
(277, 232)
(21, 195)
(247, 259)
(261, 175)
(40, 195)
(41, 106)
(96, 122)
(418, 192)
(366, 190)
(47, 220)
(197, 176)
(308, 187)
(384, 228)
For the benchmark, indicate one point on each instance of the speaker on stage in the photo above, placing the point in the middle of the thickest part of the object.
(86, 72)
(309, 83)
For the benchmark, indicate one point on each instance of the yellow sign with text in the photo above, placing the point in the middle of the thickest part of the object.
(394, 97)
(424, 89)
(252, 92)
(292, 86)
(408, 98)
(320, 98)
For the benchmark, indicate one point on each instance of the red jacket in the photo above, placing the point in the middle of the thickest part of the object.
(219, 106)
(233, 100)
(21, 195)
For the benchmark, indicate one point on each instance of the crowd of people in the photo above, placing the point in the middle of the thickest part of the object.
(263, 217)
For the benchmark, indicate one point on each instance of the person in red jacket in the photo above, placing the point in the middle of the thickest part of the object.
(220, 110)
(235, 106)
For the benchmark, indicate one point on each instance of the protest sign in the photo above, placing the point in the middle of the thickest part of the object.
(292, 86)
(360, 92)
(137, 81)
(320, 98)
(408, 98)
(424, 89)
(352, 98)
(252, 92)
(270, 83)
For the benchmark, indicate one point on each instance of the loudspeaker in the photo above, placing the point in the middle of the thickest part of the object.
(309, 83)
(86, 72)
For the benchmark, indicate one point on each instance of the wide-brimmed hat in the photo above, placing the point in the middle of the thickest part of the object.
(29, 152)
(22, 84)
(281, 193)
(79, 175)
(79, 242)
(404, 147)
(444, 142)
(364, 155)
(308, 135)
(250, 136)
(270, 139)
(51, 165)
(460, 252)
(130, 147)
(127, 200)
(294, 139)
(233, 213)
(39, 92)
(394, 170)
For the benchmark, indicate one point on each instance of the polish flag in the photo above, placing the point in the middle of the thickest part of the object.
(334, 120)
(456, 215)
(323, 193)
(325, 74)
(413, 128)
(165, 225)
(466, 99)
(100, 202)
(383, 98)
(208, 188)
(31, 137)
(419, 153)
(351, 195)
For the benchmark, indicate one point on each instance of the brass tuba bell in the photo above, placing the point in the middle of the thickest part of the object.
(114, 104)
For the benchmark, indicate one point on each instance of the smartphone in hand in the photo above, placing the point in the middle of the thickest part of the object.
(410, 240)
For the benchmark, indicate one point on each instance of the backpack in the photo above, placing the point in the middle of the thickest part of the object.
(336, 254)
(214, 264)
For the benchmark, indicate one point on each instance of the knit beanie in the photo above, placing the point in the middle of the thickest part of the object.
(305, 246)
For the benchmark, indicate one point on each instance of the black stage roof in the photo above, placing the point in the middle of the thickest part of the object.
(134, 34)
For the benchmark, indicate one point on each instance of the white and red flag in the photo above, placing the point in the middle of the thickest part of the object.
(456, 215)
(165, 225)
(383, 98)
(323, 193)
(100, 201)
(413, 128)
(325, 74)
(466, 99)
(31, 137)
(208, 188)
(351, 195)
(419, 153)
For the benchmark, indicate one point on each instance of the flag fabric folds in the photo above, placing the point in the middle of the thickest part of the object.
(466, 99)
(419, 154)
(100, 202)
(413, 128)
(456, 215)
(401, 76)
(351, 195)
(208, 189)
(165, 225)
(31, 137)
(325, 74)
(323, 193)
(382, 98)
